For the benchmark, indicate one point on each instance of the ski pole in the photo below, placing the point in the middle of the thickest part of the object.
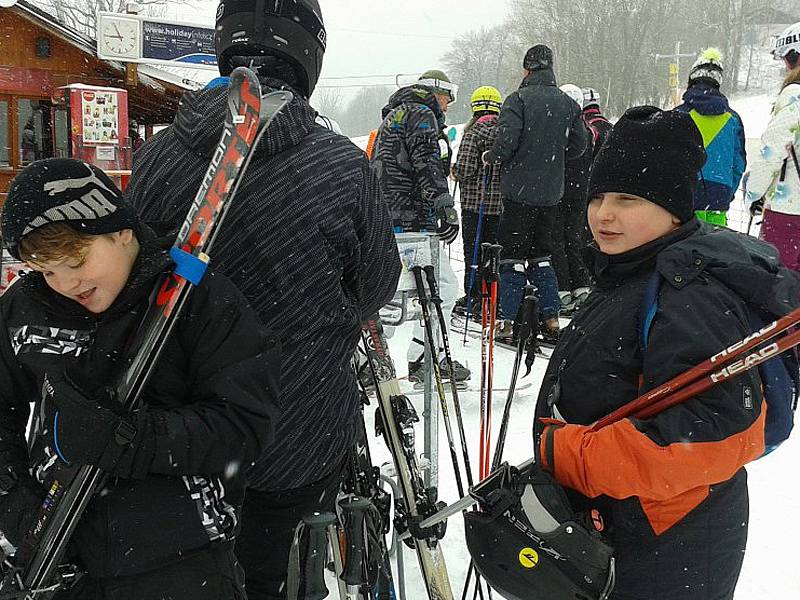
(474, 266)
(709, 366)
(530, 316)
(437, 372)
(354, 512)
(317, 554)
(494, 269)
(727, 364)
(484, 351)
(436, 299)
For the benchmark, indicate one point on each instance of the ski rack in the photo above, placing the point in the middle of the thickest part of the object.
(418, 248)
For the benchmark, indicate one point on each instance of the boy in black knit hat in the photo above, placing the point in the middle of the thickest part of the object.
(670, 293)
(165, 523)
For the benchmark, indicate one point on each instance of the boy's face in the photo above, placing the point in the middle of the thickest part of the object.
(96, 281)
(622, 222)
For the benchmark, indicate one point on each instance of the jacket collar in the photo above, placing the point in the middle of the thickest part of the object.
(706, 99)
(610, 270)
(201, 115)
(416, 94)
(539, 77)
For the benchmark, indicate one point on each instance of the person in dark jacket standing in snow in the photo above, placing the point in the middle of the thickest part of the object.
(164, 525)
(723, 137)
(671, 489)
(411, 156)
(598, 125)
(540, 128)
(309, 243)
(570, 236)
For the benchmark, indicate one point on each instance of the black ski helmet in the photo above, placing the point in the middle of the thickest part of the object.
(527, 542)
(289, 29)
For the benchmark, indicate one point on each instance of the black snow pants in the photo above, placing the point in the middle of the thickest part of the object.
(269, 520)
(211, 574)
(469, 229)
(570, 238)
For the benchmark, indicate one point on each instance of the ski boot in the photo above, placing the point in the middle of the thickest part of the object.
(505, 333)
(580, 296)
(550, 332)
(416, 371)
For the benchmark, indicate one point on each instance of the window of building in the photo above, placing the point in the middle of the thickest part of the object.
(5, 148)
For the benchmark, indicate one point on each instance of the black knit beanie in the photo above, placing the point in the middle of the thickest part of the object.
(66, 191)
(538, 57)
(654, 154)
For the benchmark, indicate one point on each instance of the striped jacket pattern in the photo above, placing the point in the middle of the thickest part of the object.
(309, 243)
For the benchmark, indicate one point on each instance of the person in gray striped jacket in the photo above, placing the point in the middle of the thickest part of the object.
(309, 243)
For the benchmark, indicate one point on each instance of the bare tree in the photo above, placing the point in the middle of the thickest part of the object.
(329, 101)
(81, 15)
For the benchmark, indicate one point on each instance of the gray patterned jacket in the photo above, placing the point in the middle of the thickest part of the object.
(309, 243)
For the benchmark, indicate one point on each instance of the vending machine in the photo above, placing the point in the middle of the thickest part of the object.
(89, 123)
(98, 126)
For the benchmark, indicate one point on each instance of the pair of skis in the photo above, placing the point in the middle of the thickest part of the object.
(395, 423)
(37, 571)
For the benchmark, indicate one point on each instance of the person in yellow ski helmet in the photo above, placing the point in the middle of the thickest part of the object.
(478, 197)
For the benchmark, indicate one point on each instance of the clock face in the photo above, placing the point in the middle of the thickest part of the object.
(121, 38)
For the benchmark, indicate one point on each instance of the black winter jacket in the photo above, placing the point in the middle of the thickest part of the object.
(599, 126)
(411, 156)
(210, 408)
(672, 488)
(576, 172)
(309, 243)
(540, 128)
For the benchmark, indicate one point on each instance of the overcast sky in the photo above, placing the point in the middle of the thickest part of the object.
(382, 37)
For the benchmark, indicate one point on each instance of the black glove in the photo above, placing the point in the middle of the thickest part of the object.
(757, 207)
(448, 218)
(20, 500)
(89, 427)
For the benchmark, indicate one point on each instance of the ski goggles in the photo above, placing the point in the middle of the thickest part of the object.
(440, 86)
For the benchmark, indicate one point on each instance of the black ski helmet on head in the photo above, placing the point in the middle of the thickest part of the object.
(288, 29)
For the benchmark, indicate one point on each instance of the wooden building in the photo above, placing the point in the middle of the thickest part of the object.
(38, 56)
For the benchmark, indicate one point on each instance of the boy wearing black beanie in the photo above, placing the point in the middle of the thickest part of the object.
(658, 483)
(165, 522)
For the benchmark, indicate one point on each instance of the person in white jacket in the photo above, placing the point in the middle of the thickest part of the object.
(774, 180)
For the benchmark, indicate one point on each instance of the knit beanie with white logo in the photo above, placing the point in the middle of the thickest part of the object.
(63, 190)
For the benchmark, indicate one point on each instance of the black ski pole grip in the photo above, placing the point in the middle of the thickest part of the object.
(494, 261)
(530, 310)
(531, 328)
(431, 277)
(421, 293)
(354, 511)
(316, 555)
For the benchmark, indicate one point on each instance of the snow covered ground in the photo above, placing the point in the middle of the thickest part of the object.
(770, 565)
